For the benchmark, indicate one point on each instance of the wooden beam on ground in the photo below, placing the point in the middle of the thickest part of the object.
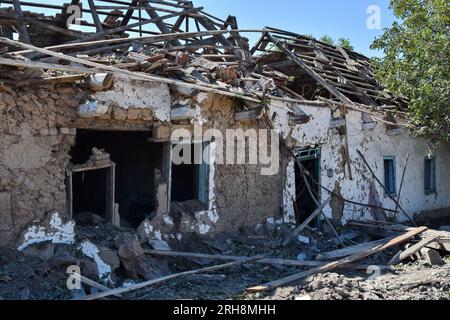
(412, 250)
(95, 285)
(302, 227)
(348, 251)
(22, 26)
(170, 277)
(385, 189)
(333, 265)
(265, 261)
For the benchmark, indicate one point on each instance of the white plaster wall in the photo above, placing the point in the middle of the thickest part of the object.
(134, 94)
(374, 144)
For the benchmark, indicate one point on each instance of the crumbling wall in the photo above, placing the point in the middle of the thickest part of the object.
(239, 196)
(375, 141)
(34, 144)
(38, 129)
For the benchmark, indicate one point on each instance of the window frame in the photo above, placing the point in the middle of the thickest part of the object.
(430, 182)
(387, 192)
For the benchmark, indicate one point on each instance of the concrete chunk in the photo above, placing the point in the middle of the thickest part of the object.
(431, 256)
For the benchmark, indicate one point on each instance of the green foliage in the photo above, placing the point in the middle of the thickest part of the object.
(416, 63)
(327, 39)
(345, 43)
(342, 42)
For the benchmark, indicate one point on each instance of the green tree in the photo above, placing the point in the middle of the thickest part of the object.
(342, 42)
(327, 39)
(345, 43)
(416, 63)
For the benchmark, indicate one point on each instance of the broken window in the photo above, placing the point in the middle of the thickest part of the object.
(135, 161)
(389, 176)
(190, 179)
(430, 175)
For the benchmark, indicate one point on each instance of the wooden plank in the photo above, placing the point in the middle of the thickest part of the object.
(22, 26)
(314, 215)
(145, 40)
(412, 250)
(333, 265)
(47, 66)
(348, 251)
(265, 261)
(170, 277)
(94, 284)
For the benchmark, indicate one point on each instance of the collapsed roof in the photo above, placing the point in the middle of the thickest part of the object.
(177, 40)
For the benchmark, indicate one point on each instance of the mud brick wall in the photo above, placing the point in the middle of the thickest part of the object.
(34, 145)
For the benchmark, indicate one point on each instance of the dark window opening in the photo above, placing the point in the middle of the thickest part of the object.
(430, 175)
(190, 181)
(305, 204)
(136, 160)
(390, 176)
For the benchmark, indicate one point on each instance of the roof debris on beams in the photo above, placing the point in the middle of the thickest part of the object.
(180, 44)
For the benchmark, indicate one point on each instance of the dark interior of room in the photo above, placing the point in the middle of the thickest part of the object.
(305, 204)
(185, 180)
(90, 192)
(135, 159)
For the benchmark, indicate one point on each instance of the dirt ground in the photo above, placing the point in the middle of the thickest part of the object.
(25, 277)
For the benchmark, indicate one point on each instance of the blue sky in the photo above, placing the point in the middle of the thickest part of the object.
(337, 18)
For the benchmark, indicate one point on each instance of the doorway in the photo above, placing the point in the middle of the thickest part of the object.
(310, 162)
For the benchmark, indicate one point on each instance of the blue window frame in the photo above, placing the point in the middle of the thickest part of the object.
(390, 178)
(430, 175)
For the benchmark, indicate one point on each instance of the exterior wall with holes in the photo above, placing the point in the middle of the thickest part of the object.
(375, 141)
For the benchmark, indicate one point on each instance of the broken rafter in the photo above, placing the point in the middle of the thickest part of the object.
(95, 17)
(137, 24)
(302, 227)
(144, 40)
(308, 70)
(41, 24)
(159, 23)
(115, 71)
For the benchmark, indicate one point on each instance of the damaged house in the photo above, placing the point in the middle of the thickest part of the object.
(87, 122)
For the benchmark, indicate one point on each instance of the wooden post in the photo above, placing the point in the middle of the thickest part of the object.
(22, 26)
